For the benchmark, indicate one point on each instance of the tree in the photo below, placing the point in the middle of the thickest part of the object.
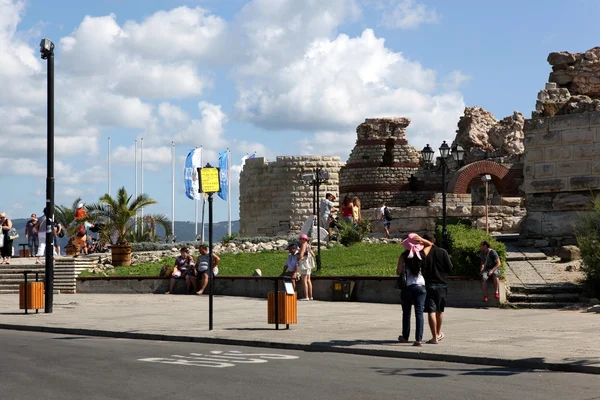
(118, 215)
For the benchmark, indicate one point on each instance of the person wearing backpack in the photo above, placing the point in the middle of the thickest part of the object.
(58, 233)
(40, 227)
(386, 217)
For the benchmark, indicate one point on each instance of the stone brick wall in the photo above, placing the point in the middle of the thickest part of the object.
(274, 200)
(562, 168)
(504, 217)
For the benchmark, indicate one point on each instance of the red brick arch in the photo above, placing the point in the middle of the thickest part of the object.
(501, 176)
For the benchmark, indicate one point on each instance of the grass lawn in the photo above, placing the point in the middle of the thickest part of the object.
(364, 259)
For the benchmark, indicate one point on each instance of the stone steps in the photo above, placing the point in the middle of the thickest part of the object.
(544, 296)
(550, 288)
(544, 305)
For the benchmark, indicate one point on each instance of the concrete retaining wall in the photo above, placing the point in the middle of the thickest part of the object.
(462, 292)
(66, 270)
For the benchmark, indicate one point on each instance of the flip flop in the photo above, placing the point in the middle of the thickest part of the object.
(432, 341)
(441, 337)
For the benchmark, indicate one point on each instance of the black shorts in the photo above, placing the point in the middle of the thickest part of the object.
(436, 298)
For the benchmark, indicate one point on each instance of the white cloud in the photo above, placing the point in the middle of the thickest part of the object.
(407, 14)
(455, 80)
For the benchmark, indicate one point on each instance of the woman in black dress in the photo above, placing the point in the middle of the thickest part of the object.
(6, 250)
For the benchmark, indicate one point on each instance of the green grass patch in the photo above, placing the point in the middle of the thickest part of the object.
(146, 269)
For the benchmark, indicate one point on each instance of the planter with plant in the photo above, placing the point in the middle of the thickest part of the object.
(118, 216)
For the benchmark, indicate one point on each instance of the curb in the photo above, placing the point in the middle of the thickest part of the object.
(316, 347)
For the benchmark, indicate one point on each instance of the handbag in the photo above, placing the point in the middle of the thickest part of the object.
(12, 234)
(402, 281)
(307, 263)
(1, 240)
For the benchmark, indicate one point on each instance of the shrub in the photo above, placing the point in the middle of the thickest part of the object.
(587, 232)
(463, 247)
(350, 234)
(229, 238)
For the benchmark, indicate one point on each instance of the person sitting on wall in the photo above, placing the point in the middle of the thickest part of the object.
(184, 264)
(290, 269)
(490, 268)
(201, 270)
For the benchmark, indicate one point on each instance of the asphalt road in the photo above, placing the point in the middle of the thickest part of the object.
(49, 366)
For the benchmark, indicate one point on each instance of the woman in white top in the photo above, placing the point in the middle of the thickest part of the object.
(412, 263)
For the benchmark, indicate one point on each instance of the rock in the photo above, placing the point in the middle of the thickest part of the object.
(561, 57)
(569, 253)
(231, 245)
(507, 135)
(268, 247)
(257, 272)
(540, 243)
(473, 129)
(560, 77)
(595, 309)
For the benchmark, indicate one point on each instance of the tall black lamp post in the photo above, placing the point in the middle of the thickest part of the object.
(47, 52)
(316, 179)
(458, 154)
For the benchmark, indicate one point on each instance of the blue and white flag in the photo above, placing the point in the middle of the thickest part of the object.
(223, 164)
(190, 174)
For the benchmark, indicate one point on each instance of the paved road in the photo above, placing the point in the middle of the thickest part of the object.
(49, 366)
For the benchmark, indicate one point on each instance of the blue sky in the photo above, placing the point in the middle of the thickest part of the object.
(279, 77)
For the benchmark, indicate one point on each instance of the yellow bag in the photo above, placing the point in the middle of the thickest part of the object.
(166, 271)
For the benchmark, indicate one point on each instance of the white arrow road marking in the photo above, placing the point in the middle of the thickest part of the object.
(219, 359)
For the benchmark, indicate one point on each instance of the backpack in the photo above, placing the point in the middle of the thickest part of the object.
(81, 230)
(61, 231)
(387, 215)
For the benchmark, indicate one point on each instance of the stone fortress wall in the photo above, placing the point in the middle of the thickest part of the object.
(562, 142)
(274, 200)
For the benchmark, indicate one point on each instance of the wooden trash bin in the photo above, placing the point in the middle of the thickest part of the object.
(25, 253)
(288, 308)
(34, 298)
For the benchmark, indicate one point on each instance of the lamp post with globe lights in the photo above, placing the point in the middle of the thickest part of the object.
(316, 179)
(457, 153)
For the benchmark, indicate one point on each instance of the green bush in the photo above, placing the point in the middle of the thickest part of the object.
(350, 234)
(229, 238)
(463, 247)
(587, 231)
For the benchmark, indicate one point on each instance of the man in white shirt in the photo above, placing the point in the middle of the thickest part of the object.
(326, 209)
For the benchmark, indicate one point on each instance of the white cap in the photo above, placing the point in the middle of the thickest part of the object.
(80, 205)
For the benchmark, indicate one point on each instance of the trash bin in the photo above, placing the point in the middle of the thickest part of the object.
(288, 308)
(342, 290)
(31, 294)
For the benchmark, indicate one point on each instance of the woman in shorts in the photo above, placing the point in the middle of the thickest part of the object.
(201, 270)
(305, 257)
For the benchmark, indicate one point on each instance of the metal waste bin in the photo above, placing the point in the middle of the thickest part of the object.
(342, 290)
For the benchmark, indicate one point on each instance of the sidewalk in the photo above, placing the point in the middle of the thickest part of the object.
(549, 339)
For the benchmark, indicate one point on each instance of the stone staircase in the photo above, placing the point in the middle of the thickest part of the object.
(537, 281)
(11, 275)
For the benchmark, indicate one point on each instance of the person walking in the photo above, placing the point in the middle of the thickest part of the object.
(385, 215)
(31, 235)
(7, 247)
(356, 214)
(41, 229)
(327, 208)
(490, 268)
(437, 267)
(306, 264)
(412, 264)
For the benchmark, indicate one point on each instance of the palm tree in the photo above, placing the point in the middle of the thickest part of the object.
(146, 228)
(118, 214)
(66, 215)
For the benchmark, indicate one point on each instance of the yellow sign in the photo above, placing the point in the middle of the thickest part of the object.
(209, 180)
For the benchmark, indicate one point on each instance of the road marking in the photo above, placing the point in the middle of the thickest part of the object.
(219, 359)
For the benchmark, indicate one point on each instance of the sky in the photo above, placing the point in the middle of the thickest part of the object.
(275, 77)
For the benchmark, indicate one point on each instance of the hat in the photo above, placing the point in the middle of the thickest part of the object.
(303, 236)
(412, 246)
(80, 205)
(2, 214)
(292, 244)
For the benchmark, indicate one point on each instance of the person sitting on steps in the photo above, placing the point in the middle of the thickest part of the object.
(490, 268)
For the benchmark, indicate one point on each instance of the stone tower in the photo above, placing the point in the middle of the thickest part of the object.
(381, 164)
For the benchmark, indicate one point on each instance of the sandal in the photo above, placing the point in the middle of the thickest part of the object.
(432, 341)
(441, 337)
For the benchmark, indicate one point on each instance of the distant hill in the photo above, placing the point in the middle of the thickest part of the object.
(184, 231)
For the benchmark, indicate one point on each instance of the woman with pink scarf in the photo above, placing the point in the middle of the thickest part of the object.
(412, 263)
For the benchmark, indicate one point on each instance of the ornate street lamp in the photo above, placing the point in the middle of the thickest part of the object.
(318, 177)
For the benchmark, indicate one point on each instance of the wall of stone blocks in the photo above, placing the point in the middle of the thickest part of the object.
(274, 200)
(505, 217)
(562, 169)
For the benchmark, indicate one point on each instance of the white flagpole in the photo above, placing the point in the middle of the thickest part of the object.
(142, 172)
(196, 201)
(109, 165)
(136, 180)
(202, 165)
(173, 189)
(228, 193)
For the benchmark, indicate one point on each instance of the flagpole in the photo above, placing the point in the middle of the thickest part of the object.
(173, 191)
(196, 204)
(142, 172)
(109, 165)
(228, 193)
(136, 180)
(202, 164)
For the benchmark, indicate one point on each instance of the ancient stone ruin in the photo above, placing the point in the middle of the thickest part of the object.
(482, 136)
(562, 149)
(274, 200)
(573, 86)
(381, 164)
